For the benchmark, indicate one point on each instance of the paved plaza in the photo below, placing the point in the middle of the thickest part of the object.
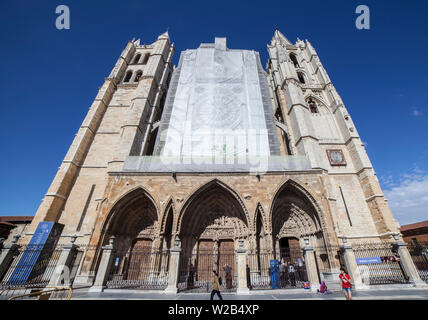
(381, 293)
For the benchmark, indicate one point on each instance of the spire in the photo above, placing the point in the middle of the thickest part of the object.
(281, 37)
(164, 35)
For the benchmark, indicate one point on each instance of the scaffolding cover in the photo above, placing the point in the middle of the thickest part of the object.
(218, 104)
(217, 117)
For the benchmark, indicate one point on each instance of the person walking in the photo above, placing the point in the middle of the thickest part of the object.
(216, 287)
(345, 279)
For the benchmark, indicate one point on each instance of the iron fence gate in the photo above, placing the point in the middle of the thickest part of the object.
(384, 265)
(419, 254)
(291, 272)
(196, 271)
(32, 266)
(142, 269)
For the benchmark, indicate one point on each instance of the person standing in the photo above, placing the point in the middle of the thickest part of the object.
(345, 279)
(191, 277)
(228, 271)
(216, 287)
(282, 273)
(292, 275)
(248, 278)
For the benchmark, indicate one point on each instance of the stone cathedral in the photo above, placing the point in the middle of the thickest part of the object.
(217, 161)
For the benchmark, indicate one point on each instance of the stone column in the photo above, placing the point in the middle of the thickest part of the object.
(241, 255)
(351, 266)
(62, 269)
(104, 267)
(311, 266)
(173, 270)
(174, 267)
(7, 254)
(407, 263)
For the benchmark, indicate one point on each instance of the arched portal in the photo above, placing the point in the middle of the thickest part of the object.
(295, 217)
(211, 224)
(138, 260)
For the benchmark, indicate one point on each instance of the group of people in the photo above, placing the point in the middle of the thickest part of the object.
(345, 280)
(394, 258)
(288, 274)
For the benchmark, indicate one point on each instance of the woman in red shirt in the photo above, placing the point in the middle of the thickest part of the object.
(345, 279)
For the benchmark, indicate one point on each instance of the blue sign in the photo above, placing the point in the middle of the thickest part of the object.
(274, 274)
(368, 260)
(44, 236)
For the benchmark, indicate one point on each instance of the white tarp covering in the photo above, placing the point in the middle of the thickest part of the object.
(217, 117)
(217, 108)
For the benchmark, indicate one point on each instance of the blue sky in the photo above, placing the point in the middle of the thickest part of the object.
(50, 77)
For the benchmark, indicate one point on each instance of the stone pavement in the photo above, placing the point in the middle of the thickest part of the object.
(381, 293)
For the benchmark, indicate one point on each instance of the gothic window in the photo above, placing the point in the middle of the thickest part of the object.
(301, 77)
(137, 58)
(294, 60)
(312, 105)
(138, 76)
(146, 57)
(128, 76)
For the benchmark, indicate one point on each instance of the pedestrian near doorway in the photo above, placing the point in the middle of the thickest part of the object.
(248, 278)
(228, 271)
(292, 275)
(345, 279)
(216, 287)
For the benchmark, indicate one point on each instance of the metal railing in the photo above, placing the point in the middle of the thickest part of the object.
(142, 269)
(379, 263)
(31, 266)
(196, 270)
(419, 254)
(289, 273)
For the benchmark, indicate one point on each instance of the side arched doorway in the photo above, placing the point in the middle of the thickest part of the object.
(211, 224)
(140, 258)
(296, 224)
(279, 259)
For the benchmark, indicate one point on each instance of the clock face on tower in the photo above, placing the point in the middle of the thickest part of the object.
(336, 157)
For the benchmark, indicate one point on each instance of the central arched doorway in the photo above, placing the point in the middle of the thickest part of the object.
(211, 224)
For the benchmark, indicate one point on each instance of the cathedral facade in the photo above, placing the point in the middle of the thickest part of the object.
(216, 163)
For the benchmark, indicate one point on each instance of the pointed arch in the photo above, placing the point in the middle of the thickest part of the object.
(259, 212)
(295, 205)
(128, 76)
(137, 58)
(169, 209)
(200, 190)
(317, 99)
(126, 203)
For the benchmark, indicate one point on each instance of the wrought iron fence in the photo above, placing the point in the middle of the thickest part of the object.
(419, 254)
(31, 266)
(142, 269)
(290, 269)
(196, 271)
(379, 263)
